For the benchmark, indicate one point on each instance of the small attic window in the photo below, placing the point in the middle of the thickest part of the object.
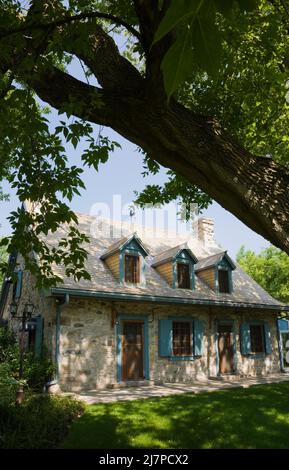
(132, 269)
(224, 282)
(184, 275)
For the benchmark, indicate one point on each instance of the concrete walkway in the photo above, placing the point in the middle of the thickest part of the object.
(138, 393)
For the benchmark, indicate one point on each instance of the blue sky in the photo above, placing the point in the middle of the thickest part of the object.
(121, 175)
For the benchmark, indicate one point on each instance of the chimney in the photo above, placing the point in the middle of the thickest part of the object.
(203, 230)
(32, 206)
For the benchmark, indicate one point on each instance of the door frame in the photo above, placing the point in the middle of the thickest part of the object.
(119, 332)
(234, 331)
(285, 367)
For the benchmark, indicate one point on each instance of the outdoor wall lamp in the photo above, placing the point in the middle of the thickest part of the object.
(13, 309)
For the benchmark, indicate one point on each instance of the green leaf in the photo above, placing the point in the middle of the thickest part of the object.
(178, 12)
(207, 41)
(178, 61)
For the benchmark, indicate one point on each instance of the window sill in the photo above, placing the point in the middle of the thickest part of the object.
(181, 358)
(256, 355)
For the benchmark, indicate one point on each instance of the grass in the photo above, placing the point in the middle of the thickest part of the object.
(257, 417)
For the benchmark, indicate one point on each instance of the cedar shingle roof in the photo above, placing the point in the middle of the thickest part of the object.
(245, 289)
(213, 261)
(171, 253)
(120, 243)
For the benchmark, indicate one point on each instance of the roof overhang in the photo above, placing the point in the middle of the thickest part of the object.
(118, 296)
(121, 246)
(175, 256)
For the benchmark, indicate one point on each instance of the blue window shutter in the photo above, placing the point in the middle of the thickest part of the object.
(245, 339)
(18, 285)
(165, 338)
(38, 337)
(198, 337)
(268, 341)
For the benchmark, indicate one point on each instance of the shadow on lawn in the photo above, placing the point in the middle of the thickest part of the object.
(241, 418)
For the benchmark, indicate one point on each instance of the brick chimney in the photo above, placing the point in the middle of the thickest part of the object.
(31, 207)
(203, 230)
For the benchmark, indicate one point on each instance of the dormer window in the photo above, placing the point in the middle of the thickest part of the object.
(132, 269)
(126, 260)
(224, 282)
(216, 272)
(184, 276)
(176, 265)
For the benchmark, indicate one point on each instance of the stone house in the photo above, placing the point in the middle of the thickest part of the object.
(158, 309)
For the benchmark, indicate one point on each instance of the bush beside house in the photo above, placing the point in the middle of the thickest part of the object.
(42, 421)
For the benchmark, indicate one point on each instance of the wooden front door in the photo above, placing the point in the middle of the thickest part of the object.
(132, 350)
(226, 349)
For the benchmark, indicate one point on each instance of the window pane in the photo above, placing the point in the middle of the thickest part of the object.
(257, 338)
(132, 274)
(182, 342)
(184, 281)
(224, 281)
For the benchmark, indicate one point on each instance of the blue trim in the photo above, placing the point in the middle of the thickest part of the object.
(181, 358)
(283, 361)
(119, 325)
(57, 340)
(283, 325)
(59, 306)
(121, 267)
(217, 348)
(133, 240)
(175, 275)
(235, 358)
(216, 280)
(257, 355)
(159, 299)
(18, 287)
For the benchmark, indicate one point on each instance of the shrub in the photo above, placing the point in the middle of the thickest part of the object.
(41, 422)
(8, 385)
(9, 349)
(38, 371)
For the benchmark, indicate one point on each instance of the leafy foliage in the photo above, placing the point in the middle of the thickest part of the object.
(41, 422)
(3, 262)
(176, 188)
(197, 39)
(270, 269)
(36, 372)
(8, 385)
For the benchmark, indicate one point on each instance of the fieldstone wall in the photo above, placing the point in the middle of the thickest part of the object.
(88, 344)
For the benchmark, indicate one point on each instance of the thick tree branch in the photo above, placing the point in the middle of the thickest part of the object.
(100, 53)
(85, 101)
(252, 188)
(30, 26)
(150, 16)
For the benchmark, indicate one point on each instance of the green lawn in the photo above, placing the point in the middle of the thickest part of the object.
(257, 417)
